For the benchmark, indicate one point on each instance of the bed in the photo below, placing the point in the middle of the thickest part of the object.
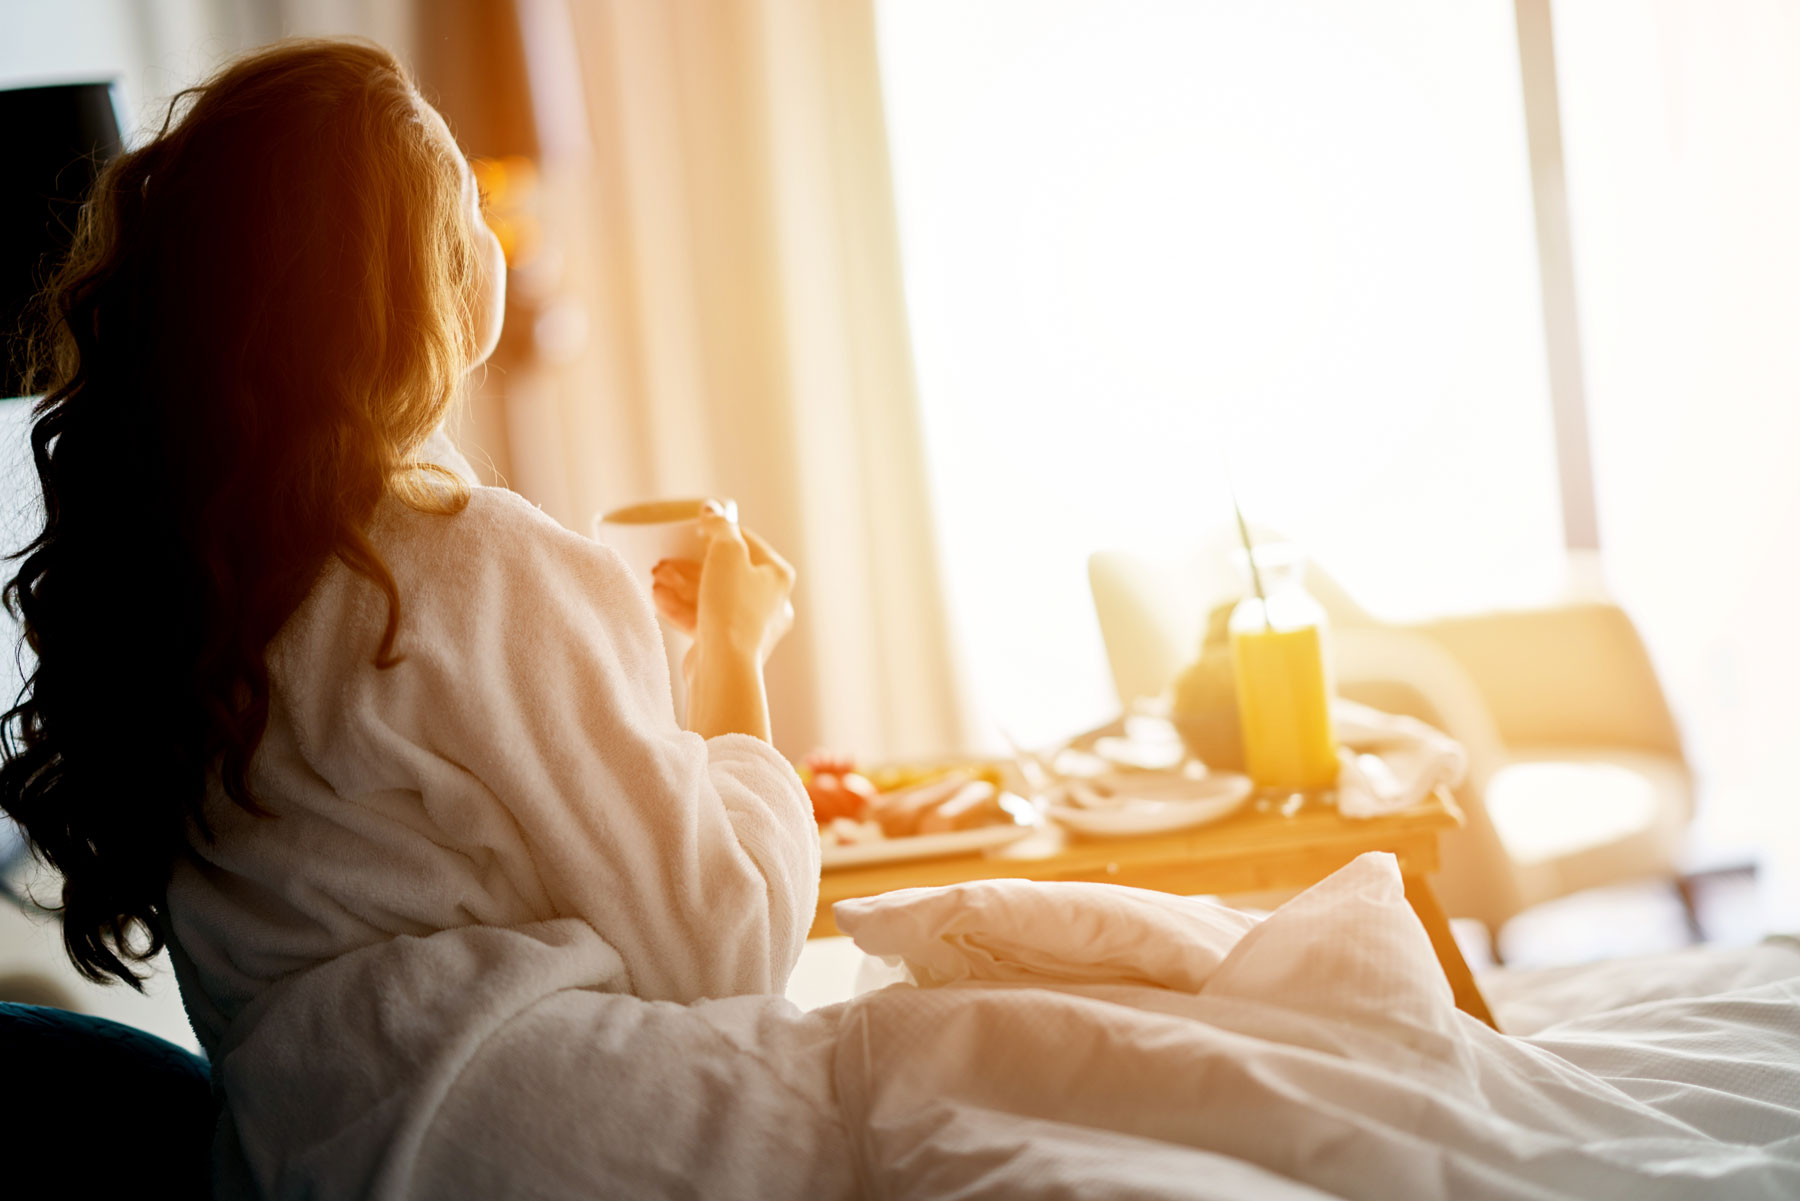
(1531, 1000)
(1078, 1040)
(1056, 1041)
(1328, 1064)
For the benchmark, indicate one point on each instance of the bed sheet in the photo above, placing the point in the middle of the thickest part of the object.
(1318, 1056)
(1526, 1001)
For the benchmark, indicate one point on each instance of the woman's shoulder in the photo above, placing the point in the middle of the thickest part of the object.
(498, 558)
(491, 514)
(497, 582)
(497, 532)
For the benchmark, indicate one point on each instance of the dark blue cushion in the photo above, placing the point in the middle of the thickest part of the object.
(80, 1092)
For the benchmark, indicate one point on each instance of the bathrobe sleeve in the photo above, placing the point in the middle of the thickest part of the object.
(539, 677)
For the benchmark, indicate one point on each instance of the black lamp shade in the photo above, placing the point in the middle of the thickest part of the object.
(56, 139)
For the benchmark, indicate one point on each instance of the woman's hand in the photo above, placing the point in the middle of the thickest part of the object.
(738, 606)
(745, 589)
(741, 596)
(675, 587)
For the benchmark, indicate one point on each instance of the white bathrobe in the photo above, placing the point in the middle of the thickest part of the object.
(509, 813)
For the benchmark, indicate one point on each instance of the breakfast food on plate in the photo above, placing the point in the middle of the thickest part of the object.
(899, 802)
(976, 803)
(899, 811)
(896, 776)
(836, 788)
(955, 802)
(844, 832)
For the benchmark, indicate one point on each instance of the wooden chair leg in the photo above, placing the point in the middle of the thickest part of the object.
(1685, 888)
(1456, 969)
(1494, 951)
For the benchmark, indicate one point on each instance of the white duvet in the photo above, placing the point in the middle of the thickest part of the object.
(1314, 1055)
(1321, 1057)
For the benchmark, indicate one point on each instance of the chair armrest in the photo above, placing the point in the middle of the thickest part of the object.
(1566, 675)
(1400, 671)
(1152, 613)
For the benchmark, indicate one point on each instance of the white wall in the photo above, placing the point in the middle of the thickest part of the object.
(154, 48)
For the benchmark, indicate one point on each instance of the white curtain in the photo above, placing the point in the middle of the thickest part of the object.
(1680, 132)
(723, 220)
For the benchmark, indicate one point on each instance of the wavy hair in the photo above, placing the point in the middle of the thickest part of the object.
(267, 309)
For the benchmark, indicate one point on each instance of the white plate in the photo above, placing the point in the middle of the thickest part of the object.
(1210, 799)
(933, 846)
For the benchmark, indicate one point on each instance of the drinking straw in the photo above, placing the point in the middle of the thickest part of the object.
(1250, 553)
(1244, 534)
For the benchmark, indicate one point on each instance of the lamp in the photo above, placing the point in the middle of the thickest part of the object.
(57, 138)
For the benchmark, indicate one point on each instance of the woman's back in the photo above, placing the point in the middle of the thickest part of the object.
(519, 764)
(476, 857)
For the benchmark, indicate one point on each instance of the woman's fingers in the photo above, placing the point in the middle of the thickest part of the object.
(764, 555)
(719, 524)
(683, 615)
(721, 505)
(681, 575)
(675, 587)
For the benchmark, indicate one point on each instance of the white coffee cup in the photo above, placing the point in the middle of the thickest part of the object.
(644, 535)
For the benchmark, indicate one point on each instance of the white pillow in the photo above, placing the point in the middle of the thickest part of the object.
(1348, 948)
(1024, 931)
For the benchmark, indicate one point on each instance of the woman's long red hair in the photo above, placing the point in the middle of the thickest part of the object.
(267, 309)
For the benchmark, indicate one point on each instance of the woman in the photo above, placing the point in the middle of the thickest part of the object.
(384, 758)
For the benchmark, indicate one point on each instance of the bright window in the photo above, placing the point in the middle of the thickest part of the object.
(1142, 239)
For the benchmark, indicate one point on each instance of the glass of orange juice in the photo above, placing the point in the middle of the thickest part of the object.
(1279, 654)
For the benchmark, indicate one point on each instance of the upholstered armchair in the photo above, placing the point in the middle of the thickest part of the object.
(1577, 777)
